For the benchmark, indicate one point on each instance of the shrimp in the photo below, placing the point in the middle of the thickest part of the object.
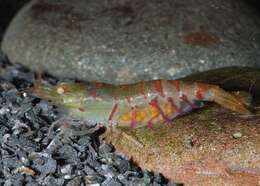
(141, 104)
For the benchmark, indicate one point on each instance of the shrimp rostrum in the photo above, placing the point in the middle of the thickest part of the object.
(141, 104)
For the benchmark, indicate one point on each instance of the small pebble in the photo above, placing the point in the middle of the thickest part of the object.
(105, 148)
(111, 182)
(188, 141)
(66, 169)
(25, 170)
(67, 177)
(74, 182)
(237, 135)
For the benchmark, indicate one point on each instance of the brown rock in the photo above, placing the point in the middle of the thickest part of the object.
(198, 149)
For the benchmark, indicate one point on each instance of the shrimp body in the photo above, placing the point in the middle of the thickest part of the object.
(141, 104)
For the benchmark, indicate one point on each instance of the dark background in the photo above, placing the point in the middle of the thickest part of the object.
(8, 8)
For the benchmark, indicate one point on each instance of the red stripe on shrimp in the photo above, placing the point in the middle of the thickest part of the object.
(142, 90)
(133, 118)
(96, 86)
(155, 104)
(82, 109)
(158, 87)
(200, 91)
(185, 99)
(149, 123)
(176, 84)
(112, 113)
(99, 84)
(174, 106)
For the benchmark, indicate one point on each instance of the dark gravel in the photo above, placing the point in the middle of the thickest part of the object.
(28, 157)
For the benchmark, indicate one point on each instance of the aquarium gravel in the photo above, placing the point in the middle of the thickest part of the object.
(30, 157)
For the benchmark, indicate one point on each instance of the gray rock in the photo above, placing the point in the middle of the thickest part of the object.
(131, 40)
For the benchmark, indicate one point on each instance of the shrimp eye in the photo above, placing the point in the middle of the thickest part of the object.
(60, 90)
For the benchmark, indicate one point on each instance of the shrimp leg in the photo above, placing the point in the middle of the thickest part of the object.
(67, 127)
(119, 131)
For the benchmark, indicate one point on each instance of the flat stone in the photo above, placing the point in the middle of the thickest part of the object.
(213, 156)
(128, 41)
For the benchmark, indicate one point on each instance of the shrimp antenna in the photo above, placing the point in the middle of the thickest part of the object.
(37, 79)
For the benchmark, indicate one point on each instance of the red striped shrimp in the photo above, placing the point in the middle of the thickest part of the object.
(141, 104)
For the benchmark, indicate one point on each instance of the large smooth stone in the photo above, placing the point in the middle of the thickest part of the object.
(127, 41)
(212, 146)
